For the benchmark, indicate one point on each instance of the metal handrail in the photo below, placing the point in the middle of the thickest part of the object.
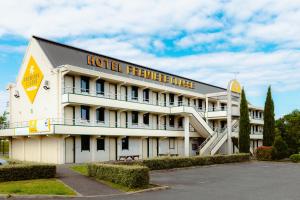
(96, 123)
(121, 97)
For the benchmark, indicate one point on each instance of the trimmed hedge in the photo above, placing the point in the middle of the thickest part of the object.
(26, 171)
(264, 153)
(295, 158)
(130, 176)
(179, 162)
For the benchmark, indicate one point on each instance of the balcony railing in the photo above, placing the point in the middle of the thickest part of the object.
(255, 117)
(215, 109)
(95, 123)
(122, 97)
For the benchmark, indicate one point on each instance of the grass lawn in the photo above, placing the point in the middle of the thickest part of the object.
(35, 187)
(82, 169)
(124, 188)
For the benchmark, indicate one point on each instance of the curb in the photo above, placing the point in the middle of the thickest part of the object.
(163, 187)
(157, 188)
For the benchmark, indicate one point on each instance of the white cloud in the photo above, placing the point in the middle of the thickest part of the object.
(256, 70)
(12, 49)
(198, 38)
(139, 31)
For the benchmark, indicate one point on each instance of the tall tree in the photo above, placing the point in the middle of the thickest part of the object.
(269, 120)
(244, 130)
(3, 120)
(289, 128)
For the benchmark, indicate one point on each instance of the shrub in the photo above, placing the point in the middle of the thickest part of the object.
(130, 176)
(280, 148)
(26, 172)
(295, 158)
(264, 153)
(179, 162)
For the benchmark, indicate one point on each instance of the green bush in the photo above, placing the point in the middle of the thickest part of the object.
(26, 172)
(264, 153)
(179, 162)
(130, 176)
(280, 148)
(295, 158)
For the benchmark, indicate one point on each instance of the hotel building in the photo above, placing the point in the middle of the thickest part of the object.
(70, 105)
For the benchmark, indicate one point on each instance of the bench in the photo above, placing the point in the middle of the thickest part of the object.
(132, 157)
(168, 154)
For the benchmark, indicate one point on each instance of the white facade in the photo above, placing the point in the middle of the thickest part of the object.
(83, 113)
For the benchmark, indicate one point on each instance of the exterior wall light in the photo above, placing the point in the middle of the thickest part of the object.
(17, 94)
(46, 85)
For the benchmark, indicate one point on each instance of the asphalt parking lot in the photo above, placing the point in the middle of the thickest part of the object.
(239, 181)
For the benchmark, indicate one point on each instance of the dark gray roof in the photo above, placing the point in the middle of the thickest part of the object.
(61, 54)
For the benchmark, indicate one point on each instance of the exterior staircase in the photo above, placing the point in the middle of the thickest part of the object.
(213, 143)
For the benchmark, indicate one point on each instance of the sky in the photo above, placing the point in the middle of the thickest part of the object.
(257, 41)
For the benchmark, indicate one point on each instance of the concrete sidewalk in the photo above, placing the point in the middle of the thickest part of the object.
(83, 185)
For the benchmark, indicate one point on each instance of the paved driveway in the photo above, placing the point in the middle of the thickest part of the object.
(241, 181)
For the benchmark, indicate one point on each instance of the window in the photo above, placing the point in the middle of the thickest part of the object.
(223, 124)
(171, 143)
(189, 101)
(146, 95)
(100, 144)
(135, 117)
(194, 147)
(100, 114)
(171, 99)
(146, 118)
(125, 143)
(100, 87)
(85, 84)
(223, 106)
(134, 93)
(171, 120)
(85, 112)
(200, 104)
(180, 122)
(85, 143)
(180, 100)
(165, 99)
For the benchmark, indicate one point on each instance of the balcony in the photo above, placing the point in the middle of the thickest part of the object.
(217, 112)
(90, 97)
(79, 96)
(81, 127)
(253, 136)
(256, 120)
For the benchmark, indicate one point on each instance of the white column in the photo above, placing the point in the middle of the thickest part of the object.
(229, 121)
(118, 118)
(24, 140)
(61, 149)
(186, 136)
(206, 109)
(93, 147)
(10, 147)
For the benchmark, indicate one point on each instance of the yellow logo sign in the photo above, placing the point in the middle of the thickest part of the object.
(32, 126)
(32, 79)
(235, 86)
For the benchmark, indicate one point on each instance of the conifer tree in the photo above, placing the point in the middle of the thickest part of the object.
(244, 130)
(269, 120)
